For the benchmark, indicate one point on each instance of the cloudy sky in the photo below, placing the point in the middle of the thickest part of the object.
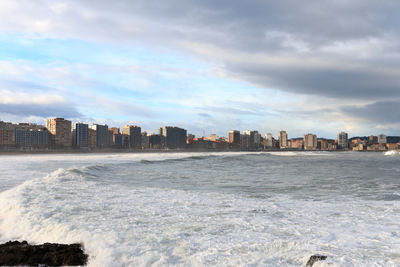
(303, 66)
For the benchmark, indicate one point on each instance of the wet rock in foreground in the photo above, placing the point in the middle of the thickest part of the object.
(21, 253)
(314, 258)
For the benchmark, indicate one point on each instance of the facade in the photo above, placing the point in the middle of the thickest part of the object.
(155, 141)
(323, 144)
(249, 144)
(101, 135)
(372, 139)
(283, 140)
(173, 137)
(92, 138)
(115, 137)
(244, 141)
(310, 142)
(7, 137)
(234, 138)
(382, 139)
(31, 138)
(135, 136)
(213, 137)
(61, 134)
(257, 140)
(81, 135)
(343, 141)
(269, 141)
(296, 143)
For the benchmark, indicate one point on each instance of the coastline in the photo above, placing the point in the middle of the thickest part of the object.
(127, 151)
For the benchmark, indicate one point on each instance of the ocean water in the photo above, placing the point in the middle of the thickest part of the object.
(208, 209)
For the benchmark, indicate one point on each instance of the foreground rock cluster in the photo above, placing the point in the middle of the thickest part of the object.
(21, 253)
(314, 258)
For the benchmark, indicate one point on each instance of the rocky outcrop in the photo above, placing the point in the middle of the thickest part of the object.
(314, 258)
(15, 253)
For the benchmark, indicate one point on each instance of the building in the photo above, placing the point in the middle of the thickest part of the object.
(322, 144)
(244, 141)
(296, 143)
(310, 142)
(7, 137)
(343, 141)
(32, 138)
(257, 140)
(80, 135)
(283, 140)
(92, 138)
(115, 137)
(234, 138)
(101, 135)
(61, 134)
(372, 139)
(382, 139)
(269, 141)
(135, 136)
(392, 146)
(155, 141)
(173, 137)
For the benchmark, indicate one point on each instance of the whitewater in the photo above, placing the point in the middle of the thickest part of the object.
(207, 209)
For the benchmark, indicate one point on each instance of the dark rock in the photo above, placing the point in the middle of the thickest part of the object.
(314, 258)
(21, 253)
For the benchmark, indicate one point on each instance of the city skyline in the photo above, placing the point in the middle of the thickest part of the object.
(63, 135)
(204, 66)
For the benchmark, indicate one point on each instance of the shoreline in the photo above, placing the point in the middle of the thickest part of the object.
(111, 151)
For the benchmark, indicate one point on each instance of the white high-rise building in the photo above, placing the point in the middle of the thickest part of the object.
(268, 141)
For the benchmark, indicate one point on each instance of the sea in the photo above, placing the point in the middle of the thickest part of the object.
(207, 209)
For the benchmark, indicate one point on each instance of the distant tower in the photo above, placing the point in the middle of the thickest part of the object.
(283, 139)
(343, 141)
(382, 139)
(134, 134)
(268, 140)
(234, 137)
(61, 131)
(310, 142)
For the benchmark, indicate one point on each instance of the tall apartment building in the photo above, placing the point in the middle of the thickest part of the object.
(173, 137)
(80, 135)
(248, 139)
(268, 141)
(155, 141)
(115, 137)
(257, 140)
(135, 136)
(343, 141)
(310, 142)
(92, 138)
(32, 138)
(283, 140)
(234, 138)
(61, 134)
(101, 135)
(7, 137)
(382, 139)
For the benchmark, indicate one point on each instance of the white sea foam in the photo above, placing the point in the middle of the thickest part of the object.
(392, 153)
(123, 224)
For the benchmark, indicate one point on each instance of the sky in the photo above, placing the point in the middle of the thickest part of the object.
(314, 66)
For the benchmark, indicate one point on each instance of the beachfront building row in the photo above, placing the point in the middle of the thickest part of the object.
(60, 133)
